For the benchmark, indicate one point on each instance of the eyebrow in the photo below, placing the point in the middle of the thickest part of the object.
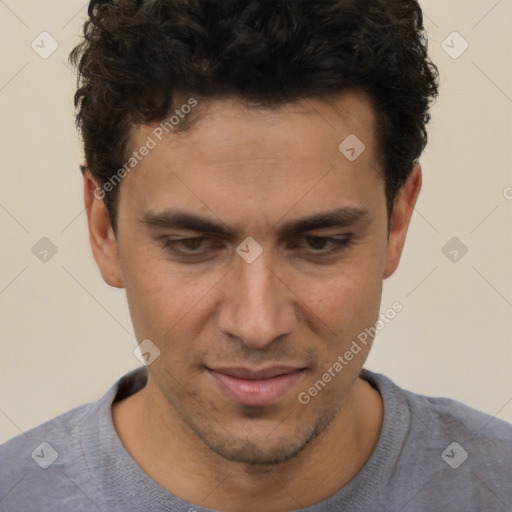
(179, 219)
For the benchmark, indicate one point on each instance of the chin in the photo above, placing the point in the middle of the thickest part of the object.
(264, 450)
(254, 453)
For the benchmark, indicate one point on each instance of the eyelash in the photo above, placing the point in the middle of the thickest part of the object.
(339, 244)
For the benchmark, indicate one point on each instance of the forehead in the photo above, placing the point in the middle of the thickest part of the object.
(224, 130)
(305, 153)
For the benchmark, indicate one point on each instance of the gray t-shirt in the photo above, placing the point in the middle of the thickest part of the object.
(433, 454)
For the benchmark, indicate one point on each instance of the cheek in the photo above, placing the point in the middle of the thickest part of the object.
(345, 300)
(164, 299)
(343, 307)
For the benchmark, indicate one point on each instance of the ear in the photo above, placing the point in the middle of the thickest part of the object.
(403, 207)
(101, 234)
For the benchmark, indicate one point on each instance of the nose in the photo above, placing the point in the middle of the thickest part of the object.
(258, 306)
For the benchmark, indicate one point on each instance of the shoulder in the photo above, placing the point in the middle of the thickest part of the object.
(451, 455)
(58, 465)
(447, 417)
(473, 450)
(45, 467)
(443, 416)
(17, 452)
(464, 433)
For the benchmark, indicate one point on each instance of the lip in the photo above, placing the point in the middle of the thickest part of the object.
(256, 387)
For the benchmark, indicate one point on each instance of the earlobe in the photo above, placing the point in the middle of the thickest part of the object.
(101, 235)
(403, 208)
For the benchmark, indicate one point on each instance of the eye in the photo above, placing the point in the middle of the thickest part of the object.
(201, 246)
(326, 245)
(189, 244)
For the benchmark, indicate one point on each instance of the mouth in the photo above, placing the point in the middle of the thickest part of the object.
(256, 387)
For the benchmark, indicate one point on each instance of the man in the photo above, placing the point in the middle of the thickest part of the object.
(251, 171)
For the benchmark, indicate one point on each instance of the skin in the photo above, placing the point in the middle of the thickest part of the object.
(253, 170)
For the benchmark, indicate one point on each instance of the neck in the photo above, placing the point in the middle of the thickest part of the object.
(174, 457)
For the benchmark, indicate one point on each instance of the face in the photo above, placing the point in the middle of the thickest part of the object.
(253, 251)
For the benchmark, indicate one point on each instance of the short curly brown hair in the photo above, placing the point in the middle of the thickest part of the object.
(138, 56)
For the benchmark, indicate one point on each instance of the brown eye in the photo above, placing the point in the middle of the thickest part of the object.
(317, 242)
(323, 246)
(192, 243)
(185, 245)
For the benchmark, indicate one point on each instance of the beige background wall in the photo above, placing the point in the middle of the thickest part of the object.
(66, 336)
